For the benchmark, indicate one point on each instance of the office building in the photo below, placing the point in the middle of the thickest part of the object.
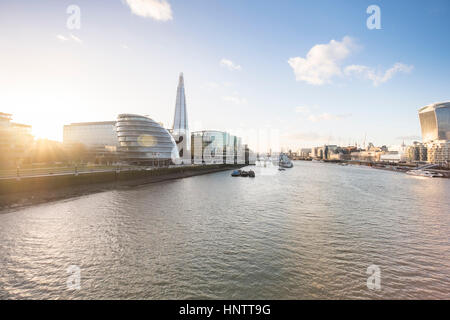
(435, 126)
(145, 142)
(214, 147)
(91, 134)
(180, 127)
(15, 140)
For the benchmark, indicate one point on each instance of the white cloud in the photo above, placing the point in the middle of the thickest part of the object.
(230, 65)
(327, 116)
(376, 76)
(157, 9)
(234, 99)
(305, 136)
(306, 111)
(302, 109)
(61, 37)
(322, 62)
(211, 85)
(76, 38)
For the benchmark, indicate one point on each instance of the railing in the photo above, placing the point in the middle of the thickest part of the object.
(67, 170)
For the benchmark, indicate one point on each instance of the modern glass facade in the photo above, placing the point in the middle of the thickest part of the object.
(91, 134)
(144, 141)
(438, 152)
(443, 122)
(213, 147)
(435, 122)
(417, 152)
(180, 127)
(15, 140)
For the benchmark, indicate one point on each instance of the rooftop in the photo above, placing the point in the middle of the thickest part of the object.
(435, 106)
(92, 123)
(21, 125)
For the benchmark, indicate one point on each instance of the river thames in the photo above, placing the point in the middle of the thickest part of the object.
(305, 233)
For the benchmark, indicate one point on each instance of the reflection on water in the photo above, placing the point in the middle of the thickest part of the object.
(307, 232)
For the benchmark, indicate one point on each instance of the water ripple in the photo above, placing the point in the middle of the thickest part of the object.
(305, 233)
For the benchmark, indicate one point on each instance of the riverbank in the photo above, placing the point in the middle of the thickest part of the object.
(16, 193)
(389, 166)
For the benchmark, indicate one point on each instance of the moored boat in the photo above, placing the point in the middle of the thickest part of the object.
(236, 173)
(423, 173)
(284, 161)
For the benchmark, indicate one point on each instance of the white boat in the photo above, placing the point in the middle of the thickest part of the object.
(424, 173)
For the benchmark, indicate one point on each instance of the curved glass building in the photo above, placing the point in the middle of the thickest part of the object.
(435, 122)
(144, 141)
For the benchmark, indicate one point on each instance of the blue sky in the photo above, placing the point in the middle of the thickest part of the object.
(356, 83)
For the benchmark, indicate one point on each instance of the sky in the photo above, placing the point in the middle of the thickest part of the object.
(305, 73)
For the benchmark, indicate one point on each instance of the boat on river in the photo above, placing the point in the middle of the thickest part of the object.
(284, 161)
(424, 173)
(236, 173)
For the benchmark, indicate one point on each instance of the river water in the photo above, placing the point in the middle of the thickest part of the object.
(308, 232)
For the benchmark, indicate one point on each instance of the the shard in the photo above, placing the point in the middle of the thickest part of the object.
(180, 128)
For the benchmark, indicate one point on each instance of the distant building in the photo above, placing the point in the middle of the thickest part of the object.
(180, 127)
(438, 152)
(314, 153)
(98, 140)
(342, 154)
(323, 152)
(328, 150)
(91, 134)
(143, 141)
(371, 154)
(417, 152)
(435, 126)
(15, 140)
(213, 147)
(397, 154)
(304, 152)
(391, 156)
(435, 122)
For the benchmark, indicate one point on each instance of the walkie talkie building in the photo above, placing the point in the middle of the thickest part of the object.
(435, 122)
(435, 125)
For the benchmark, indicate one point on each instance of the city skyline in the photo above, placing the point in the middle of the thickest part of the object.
(211, 153)
(280, 66)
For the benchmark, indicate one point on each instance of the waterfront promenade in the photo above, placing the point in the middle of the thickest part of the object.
(42, 187)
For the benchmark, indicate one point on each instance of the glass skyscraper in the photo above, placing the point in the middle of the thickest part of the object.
(180, 127)
(435, 122)
(435, 125)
